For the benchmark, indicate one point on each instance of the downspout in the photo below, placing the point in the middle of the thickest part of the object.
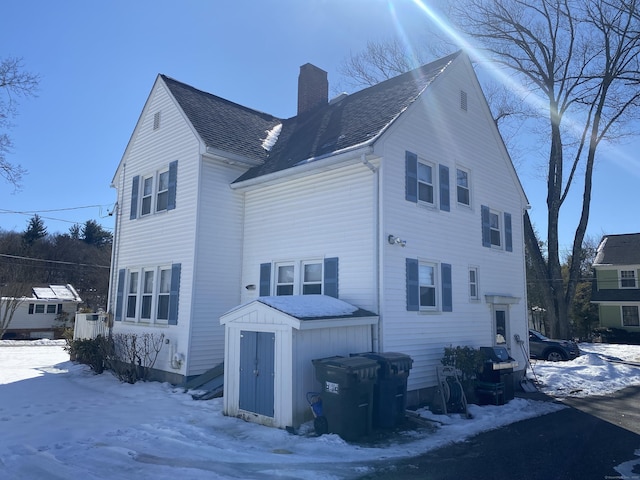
(114, 252)
(375, 329)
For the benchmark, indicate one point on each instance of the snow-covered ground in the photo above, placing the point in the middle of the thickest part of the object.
(60, 421)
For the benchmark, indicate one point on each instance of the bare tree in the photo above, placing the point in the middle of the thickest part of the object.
(581, 59)
(15, 83)
(380, 60)
(9, 303)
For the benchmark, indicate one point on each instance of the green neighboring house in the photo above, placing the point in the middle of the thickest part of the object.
(616, 289)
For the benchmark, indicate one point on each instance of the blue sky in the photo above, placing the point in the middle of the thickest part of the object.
(98, 62)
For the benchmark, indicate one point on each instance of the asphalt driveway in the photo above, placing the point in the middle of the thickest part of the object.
(582, 442)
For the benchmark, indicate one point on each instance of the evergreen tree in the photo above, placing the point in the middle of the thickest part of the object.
(35, 230)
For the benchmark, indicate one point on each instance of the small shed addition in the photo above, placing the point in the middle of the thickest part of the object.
(269, 345)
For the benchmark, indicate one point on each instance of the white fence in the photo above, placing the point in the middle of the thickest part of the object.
(90, 325)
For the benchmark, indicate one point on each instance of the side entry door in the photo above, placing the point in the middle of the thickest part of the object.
(257, 372)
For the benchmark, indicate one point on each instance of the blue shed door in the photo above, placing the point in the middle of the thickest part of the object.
(257, 372)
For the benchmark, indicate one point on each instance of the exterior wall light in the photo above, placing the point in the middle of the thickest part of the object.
(393, 240)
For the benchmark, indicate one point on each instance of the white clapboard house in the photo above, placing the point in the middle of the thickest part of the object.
(399, 200)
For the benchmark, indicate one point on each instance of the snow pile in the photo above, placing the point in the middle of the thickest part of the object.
(272, 137)
(61, 421)
(598, 371)
(309, 306)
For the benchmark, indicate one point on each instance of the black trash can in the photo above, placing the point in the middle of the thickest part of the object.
(347, 394)
(390, 390)
(497, 369)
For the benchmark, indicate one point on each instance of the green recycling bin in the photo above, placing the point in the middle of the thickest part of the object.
(390, 389)
(347, 394)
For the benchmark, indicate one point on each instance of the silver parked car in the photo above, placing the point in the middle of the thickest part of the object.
(544, 348)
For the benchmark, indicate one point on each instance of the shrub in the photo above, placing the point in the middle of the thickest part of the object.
(129, 356)
(466, 359)
(92, 352)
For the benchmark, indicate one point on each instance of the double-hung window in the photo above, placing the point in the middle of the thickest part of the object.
(303, 278)
(627, 279)
(155, 192)
(285, 279)
(630, 317)
(463, 191)
(147, 196)
(163, 191)
(39, 308)
(147, 295)
(300, 277)
(311, 278)
(132, 295)
(495, 229)
(425, 183)
(473, 283)
(164, 289)
(428, 288)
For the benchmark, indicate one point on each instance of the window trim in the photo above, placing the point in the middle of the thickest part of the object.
(467, 188)
(473, 283)
(432, 185)
(633, 277)
(147, 196)
(298, 283)
(164, 191)
(435, 286)
(126, 297)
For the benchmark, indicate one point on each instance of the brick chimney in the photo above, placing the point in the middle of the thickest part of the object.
(313, 88)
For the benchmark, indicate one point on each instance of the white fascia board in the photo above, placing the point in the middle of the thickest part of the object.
(337, 322)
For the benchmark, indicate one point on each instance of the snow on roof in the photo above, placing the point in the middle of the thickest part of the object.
(56, 292)
(272, 137)
(310, 306)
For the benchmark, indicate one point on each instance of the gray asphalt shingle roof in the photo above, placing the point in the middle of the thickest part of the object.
(356, 119)
(621, 249)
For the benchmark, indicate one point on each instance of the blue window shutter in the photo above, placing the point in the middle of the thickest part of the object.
(445, 203)
(265, 279)
(173, 183)
(447, 288)
(174, 293)
(120, 295)
(331, 277)
(508, 235)
(413, 285)
(486, 226)
(135, 186)
(411, 177)
(31, 309)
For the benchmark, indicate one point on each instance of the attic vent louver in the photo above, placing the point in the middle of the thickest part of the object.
(156, 121)
(463, 100)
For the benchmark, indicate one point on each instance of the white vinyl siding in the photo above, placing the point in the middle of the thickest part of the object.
(148, 153)
(332, 214)
(452, 237)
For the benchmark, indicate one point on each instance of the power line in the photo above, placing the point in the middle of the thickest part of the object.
(53, 261)
(37, 212)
